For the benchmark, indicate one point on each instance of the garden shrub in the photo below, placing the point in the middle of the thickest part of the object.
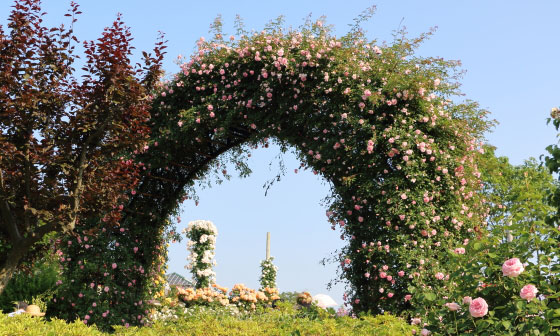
(24, 325)
(279, 323)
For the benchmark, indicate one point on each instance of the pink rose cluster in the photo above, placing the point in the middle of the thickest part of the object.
(512, 268)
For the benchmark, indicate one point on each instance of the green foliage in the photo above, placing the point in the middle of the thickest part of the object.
(24, 325)
(289, 297)
(108, 285)
(210, 323)
(35, 286)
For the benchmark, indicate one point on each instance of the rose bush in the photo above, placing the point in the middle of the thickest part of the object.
(511, 269)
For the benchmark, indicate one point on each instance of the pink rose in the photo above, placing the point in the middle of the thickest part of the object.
(512, 267)
(528, 292)
(415, 321)
(467, 300)
(440, 276)
(453, 306)
(478, 307)
(460, 250)
(425, 332)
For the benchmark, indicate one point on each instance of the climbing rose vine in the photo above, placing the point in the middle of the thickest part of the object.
(201, 245)
(374, 120)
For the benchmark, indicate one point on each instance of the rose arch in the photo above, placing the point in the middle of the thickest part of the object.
(374, 120)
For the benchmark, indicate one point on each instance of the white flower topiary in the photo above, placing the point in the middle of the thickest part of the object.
(201, 245)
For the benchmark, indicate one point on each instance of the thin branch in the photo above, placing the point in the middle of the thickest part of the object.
(27, 183)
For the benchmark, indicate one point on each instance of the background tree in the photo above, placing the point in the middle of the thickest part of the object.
(62, 139)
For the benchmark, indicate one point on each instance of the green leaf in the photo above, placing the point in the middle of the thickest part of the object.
(520, 305)
(430, 296)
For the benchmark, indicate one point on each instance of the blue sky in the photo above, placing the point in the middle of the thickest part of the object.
(509, 49)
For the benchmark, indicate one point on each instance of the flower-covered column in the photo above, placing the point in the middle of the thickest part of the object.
(202, 242)
(268, 273)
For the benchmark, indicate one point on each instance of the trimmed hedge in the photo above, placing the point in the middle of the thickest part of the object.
(273, 323)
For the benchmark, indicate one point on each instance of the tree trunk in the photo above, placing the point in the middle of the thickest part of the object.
(19, 251)
(12, 262)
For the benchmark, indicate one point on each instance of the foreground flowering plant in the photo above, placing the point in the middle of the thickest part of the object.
(505, 282)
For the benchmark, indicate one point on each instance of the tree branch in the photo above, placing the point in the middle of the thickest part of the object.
(92, 141)
(27, 183)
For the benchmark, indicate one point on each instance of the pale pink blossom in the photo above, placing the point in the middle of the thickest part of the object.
(528, 292)
(460, 250)
(453, 306)
(512, 267)
(478, 307)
